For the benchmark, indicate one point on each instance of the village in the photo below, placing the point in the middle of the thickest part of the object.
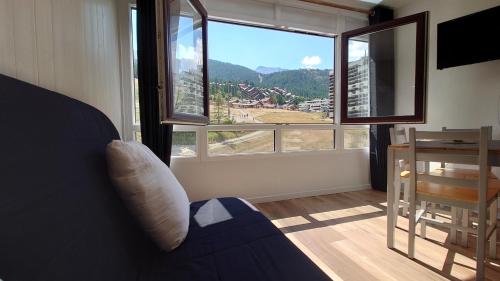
(249, 103)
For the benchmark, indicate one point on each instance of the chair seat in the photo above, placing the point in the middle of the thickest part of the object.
(452, 173)
(459, 173)
(457, 193)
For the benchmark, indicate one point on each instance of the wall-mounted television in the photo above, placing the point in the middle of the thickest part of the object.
(470, 39)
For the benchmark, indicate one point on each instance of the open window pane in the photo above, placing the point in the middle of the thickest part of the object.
(135, 76)
(138, 136)
(356, 138)
(185, 66)
(274, 77)
(184, 144)
(238, 142)
(384, 72)
(307, 140)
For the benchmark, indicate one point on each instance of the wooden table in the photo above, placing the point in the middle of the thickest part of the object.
(439, 151)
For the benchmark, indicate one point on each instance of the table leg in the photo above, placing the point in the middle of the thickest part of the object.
(390, 198)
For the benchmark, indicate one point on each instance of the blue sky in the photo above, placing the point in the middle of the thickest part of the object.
(253, 47)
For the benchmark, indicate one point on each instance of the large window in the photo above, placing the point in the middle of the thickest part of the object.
(270, 91)
(262, 75)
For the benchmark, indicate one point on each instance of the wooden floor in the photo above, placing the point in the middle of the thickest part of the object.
(345, 235)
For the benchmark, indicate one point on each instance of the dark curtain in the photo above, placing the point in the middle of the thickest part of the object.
(154, 135)
(382, 103)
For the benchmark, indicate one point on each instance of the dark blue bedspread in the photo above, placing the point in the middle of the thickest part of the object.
(61, 218)
(245, 247)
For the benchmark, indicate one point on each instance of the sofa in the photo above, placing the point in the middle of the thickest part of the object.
(62, 219)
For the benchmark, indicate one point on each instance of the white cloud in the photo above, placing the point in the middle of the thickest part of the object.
(184, 52)
(357, 50)
(311, 61)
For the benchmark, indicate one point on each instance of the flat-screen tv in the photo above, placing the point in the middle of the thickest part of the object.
(470, 39)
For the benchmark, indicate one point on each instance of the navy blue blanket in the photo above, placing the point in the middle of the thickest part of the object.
(61, 218)
(245, 247)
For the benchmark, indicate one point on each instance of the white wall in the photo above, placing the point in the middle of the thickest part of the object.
(465, 96)
(71, 47)
(274, 177)
(279, 176)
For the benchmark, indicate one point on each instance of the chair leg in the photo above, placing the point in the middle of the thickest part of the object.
(412, 226)
(423, 225)
(481, 243)
(397, 196)
(465, 223)
(433, 210)
(493, 237)
(406, 196)
(454, 221)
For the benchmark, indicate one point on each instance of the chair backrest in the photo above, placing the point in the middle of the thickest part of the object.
(419, 151)
(398, 136)
(445, 129)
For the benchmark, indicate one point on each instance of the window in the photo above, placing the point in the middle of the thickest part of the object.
(136, 117)
(184, 142)
(265, 104)
(262, 75)
(184, 63)
(356, 138)
(307, 139)
(240, 142)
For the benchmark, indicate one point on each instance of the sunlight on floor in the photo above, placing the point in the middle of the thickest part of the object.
(345, 235)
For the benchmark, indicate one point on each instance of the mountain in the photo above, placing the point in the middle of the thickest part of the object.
(268, 70)
(308, 83)
(222, 71)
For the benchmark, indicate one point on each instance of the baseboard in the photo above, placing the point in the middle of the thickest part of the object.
(309, 193)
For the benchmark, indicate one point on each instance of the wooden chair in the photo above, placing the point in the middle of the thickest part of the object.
(472, 194)
(458, 214)
(398, 136)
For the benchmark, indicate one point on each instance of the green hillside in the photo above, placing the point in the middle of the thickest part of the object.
(221, 71)
(308, 83)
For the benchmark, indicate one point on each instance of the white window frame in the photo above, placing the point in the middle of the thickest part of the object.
(127, 70)
(129, 128)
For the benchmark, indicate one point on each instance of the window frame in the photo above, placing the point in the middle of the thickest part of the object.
(167, 110)
(129, 128)
(421, 34)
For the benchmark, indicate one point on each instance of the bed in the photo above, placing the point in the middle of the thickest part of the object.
(61, 218)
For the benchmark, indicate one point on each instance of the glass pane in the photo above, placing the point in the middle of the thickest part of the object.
(187, 53)
(135, 88)
(274, 76)
(307, 140)
(356, 138)
(137, 136)
(184, 144)
(233, 142)
(381, 73)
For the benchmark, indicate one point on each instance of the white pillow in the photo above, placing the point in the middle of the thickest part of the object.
(151, 191)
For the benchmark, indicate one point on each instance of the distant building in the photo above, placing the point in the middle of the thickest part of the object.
(331, 94)
(189, 91)
(315, 105)
(358, 88)
(246, 104)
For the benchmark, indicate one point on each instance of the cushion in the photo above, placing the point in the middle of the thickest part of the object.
(151, 192)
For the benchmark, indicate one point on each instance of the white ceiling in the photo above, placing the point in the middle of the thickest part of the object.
(368, 4)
